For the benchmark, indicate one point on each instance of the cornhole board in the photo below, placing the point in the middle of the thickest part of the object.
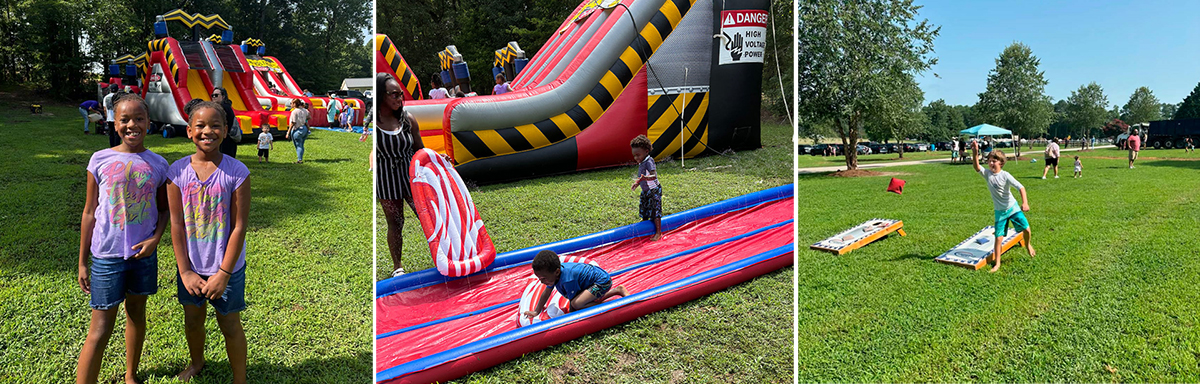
(971, 254)
(859, 236)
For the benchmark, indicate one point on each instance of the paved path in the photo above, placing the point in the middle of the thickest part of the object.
(802, 171)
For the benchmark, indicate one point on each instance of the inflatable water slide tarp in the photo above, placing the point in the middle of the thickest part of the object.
(432, 328)
(276, 88)
(588, 91)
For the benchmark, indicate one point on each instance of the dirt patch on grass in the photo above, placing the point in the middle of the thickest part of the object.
(865, 173)
(559, 375)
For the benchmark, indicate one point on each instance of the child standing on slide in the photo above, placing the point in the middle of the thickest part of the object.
(584, 284)
(650, 207)
(209, 194)
(124, 218)
(999, 184)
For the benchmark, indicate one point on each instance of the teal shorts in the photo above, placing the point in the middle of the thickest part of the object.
(1020, 223)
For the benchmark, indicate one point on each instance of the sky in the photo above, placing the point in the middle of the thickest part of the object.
(1121, 45)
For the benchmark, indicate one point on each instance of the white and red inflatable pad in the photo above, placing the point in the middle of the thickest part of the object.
(556, 306)
(457, 238)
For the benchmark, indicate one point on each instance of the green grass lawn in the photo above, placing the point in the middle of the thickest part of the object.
(741, 334)
(308, 261)
(1111, 296)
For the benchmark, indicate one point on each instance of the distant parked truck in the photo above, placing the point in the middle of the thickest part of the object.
(1171, 133)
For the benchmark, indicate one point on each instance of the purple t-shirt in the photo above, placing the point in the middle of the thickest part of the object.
(128, 210)
(500, 89)
(207, 213)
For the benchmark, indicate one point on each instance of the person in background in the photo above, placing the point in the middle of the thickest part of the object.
(298, 128)
(86, 109)
(113, 140)
(234, 134)
(501, 85)
(331, 111)
(1135, 145)
(437, 90)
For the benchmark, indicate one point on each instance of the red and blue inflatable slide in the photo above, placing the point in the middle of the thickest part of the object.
(433, 328)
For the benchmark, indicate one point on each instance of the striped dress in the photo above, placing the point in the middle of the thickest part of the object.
(394, 153)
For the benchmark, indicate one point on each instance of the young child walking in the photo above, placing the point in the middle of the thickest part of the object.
(265, 144)
(650, 207)
(999, 183)
(124, 217)
(1078, 168)
(584, 284)
(209, 195)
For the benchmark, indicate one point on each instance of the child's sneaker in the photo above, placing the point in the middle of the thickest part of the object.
(1055, 176)
(398, 272)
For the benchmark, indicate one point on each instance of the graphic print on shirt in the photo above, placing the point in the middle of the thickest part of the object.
(204, 213)
(130, 192)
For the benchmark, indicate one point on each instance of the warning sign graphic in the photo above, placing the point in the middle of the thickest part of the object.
(743, 36)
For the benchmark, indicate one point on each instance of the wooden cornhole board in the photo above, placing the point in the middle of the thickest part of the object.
(860, 235)
(971, 254)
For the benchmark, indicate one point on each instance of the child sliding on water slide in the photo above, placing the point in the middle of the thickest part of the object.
(999, 183)
(584, 284)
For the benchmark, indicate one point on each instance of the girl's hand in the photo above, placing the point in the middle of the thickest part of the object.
(145, 248)
(530, 314)
(85, 280)
(447, 158)
(192, 283)
(215, 287)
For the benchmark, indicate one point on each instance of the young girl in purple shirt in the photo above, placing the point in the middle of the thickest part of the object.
(124, 217)
(209, 194)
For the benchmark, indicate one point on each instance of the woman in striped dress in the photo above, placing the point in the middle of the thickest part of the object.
(397, 139)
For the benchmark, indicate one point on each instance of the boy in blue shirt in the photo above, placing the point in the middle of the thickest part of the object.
(584, 284)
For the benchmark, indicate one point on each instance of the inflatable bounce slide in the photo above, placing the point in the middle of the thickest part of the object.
(615, 69)
(434, 328)
(276, 88)
(176, 72)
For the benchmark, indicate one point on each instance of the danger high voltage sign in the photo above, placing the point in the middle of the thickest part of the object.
(743, 36)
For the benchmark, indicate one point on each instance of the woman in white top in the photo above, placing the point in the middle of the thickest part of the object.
(298, 128)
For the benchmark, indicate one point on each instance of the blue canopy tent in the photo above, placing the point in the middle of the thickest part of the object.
(985, 130)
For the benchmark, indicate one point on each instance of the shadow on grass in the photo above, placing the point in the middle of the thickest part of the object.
(1187, 164)
(335, 369)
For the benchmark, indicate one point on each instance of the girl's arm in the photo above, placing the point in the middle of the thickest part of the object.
(541, 303)
(148, 246)
(191, 281)
(240, 206)
(86, 225)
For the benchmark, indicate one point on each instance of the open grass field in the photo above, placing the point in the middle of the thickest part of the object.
(308, 318)
(1111, 295)
(741, 334)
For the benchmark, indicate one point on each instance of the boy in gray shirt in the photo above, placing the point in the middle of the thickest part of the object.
(1006, 210)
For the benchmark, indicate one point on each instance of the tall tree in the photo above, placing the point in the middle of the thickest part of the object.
(1087, 110)
(896, 113)
(1190, 107)
(1142, 106)
(1015, 97)
(1168, 110)
(944, 121)
(854, 54)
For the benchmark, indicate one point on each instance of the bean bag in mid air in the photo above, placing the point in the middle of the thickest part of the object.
(457, 238)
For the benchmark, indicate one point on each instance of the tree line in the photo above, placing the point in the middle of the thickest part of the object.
(60, 48)
(477, 28)
(856, 77)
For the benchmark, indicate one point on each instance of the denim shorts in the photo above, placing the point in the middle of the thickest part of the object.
(113, 278)
(231, 301)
